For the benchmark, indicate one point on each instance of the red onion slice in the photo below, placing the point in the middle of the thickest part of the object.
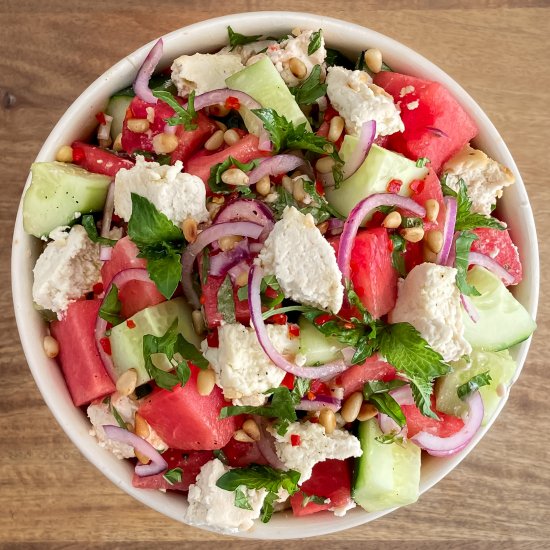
(320, 402)
(366, 139)
(222, 262)
(469, 308)
(206, 237)
(157, 465)
(215, 97)
(476, 258)
(238, 270)
(274, 166)
(335, 227)
(141, 83)
(448, 230)
(255, 303)
(105, 252)
(356, 217)
(447, 446)
(266, 445)
(248, 210)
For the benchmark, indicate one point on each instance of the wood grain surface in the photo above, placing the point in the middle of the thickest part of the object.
(50, 497)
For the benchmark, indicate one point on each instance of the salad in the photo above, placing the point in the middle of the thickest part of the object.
(274, 278)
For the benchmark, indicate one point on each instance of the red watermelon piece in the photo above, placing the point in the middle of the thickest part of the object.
(430, 188)
(416, 422)
(82, 367)
(98, 160)
(124, 256)
(210, 298)
(437, 111)
(137, 295)
(241, 455)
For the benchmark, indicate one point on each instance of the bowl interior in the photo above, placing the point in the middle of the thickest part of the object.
(207, 36)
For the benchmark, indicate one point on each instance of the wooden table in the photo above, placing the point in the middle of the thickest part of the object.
(51, 50)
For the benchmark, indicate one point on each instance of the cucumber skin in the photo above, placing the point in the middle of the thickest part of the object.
(116, 108)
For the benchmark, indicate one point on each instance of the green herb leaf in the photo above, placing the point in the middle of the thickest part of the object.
(335, 57)
(89, 225)
(267, 509)
(220, 455)
(119, 420)
(236, 39)
(315, 42)
(377, 393)
(185, 117)
(241, 499)
(310, 89)
(226, 304)
(411, 222)
(463, 244)
(111, 306)
(215, 179)
(422, 161)
(173, 476)
(306, 499)
(164, 270)
(473, 385)
(319, 208)
(397, 255)
(388, 439)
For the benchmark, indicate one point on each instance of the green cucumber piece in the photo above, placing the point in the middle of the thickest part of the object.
(58, 192)
(503, 321)
(263, 82)
(386, 475)
(117, 108)
(378, 169)
(315, 346)
(501, 367)
(127, 343)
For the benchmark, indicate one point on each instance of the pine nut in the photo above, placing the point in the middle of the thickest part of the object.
(105, 143)
(373, 59)
(296, 31)
(392, 220)
(335, 129)
(141, 429)
(215, 141)
(165, 143)
(242, 278)
(251, 429)
(219, 110)
(51, 346)
(189, 228)
(324, 165)
(218, 199)
(150, 114)
(367, 412)
(323, 227)
(412, 234)
(65, 154)
(432, 210)
(235, 176)
(221, 125)
(501, 390)
(297, 67)
(352, 406)
(434, 240)
(298, 192)
(213, 209)
(242, 436)
(130, 427)
(198, 322)
(429, 255)
(231, 137)
(288, 184)
(127, 382)
(117, 144)
(327, 419)
(206, 380)
(263, 186)
(138, 125)
(228, 242)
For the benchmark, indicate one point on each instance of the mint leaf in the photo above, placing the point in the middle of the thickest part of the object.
(314, 42)
(164, 270)
(320, 209)
(119, 420)
(236, 39)
(173, 476)
(267, 509)
(185, 117)
(111, 306)
(310, 89)
(397, 254)
(241, 499)
(473, 385)
(377, 393)
(463, 244)
(220, 455)
(215, 179)
(226, 304)
(306, 499)
(89, 225)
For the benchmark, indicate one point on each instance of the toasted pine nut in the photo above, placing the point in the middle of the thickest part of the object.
(231, 137)
(215, 141)
(263, 185)
(117, 144)
(189, 228)
(288, 184)
(198, 322)
(51, 346)
(429, 255)
(138, 125)
(501, 390)
(324, 165)
(352, 406)
(242, 436)
(242, 278)
(127, 382)
(323, 227)
(327, 419)
(412, 234)
(235, 176)
(219, 110)
(105, 143)
(65, 154)
(221, 125)
(130, 427)
(432, 210)
(218, 200)
(373, 59)
(297, 67)
(251, 429)
(392, 220)
(298, 190)
(228, 242)
(141, 429)
(206, 380)
(296, 31)
(165, 143)
(150, 114)
(335, 129)
(367, 412)
(213, 209)
(434, 240)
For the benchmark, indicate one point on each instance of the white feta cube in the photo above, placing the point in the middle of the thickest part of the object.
(246, 51)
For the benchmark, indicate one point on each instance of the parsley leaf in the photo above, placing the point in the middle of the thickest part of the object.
(173, 476)
(377, 392)
(226, 304)
(241, 499)
(463, 244)
(476, 382)
(215, 179)
(89, 225)
(311, 89)
(397, 254)
(306, 499)
(111, 306)
(236, 39)
(185, 117)
(315, 42)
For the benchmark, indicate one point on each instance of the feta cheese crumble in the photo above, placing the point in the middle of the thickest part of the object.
(308, 278)
(243, 370)
(204, 72)
(68, 268)
(247, 51)
(177, 195)
(484, 177)
(358, 100)
(215, 507)
(429, 300)
(315, 446)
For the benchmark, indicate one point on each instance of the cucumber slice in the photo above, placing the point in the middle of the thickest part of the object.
(501, 367)
(262, 82)
(116, 108)
(59, 191)
(379, 168)
(503, 321)
(315, 346)
(386, 475)
(127, 343)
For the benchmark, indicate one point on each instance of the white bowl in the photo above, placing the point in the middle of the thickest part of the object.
(206, 36)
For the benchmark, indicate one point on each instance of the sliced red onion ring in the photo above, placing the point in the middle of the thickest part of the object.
(264, 140)
(206, 237)
(157, 465)
(448, 230)
(266, 445)
(141, 83)
(320, 402)
(476, 258)
(255, 248)
(437, 131)
(328, 370)
(469, 308)
(120, 279)
(366, 139)
(222, 262)
(238, 270)
(335, 227)
(215, 97)
(106, 251)
(274, 166)
(447, 446)
(356, 217)
(170, 129)
(249, 210)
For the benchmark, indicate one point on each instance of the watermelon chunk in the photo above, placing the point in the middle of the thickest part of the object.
(82, 367)
(430, 188)
(124, 256)
(240, 454)
(210, 297)
(436, 109)
(446, 426)
(98, 160)
(184, 419)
